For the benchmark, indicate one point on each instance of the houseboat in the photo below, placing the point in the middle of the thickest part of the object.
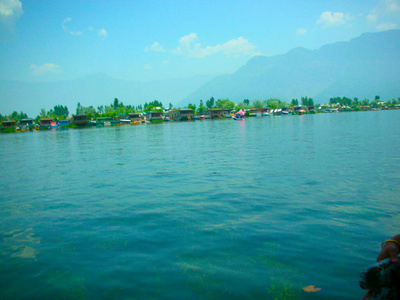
(265, 111)
(8, 126)
(155, 116)
(218, 113)
(80, 120)
(136, 118)
(300, 110)
(44, 123)
(255, 112)
(287, 111)
(25, 125)
(63, 123)
(180, 114)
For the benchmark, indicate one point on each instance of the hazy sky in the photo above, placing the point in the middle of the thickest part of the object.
(51, 40)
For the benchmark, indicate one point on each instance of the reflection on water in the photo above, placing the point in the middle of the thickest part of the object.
(208, 209)
(20, 243)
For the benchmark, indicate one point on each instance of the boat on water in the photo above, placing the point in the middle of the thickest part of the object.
(124, 121)
(240, 115)
(54, 125)
(106, 121)
(277, 112)
(239, 118)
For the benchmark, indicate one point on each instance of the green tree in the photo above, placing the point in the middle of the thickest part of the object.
(210, 103)
(14, 115)
(201, 108)
(61, 111)
(273, 103)
(109, 110)
(22, 115)
(148, 108)
(170, 106)
(257, 104)
(294, 102)
(129, 109)
(245, 104)
(78, 106)
(192, 106)
(284, 104)
(375, 103)
(90, 111)
(155, 103)
(152, 108)
(225, 104)
(18, 116)
(307, 101)
(365, 102)
(116, 103)
(43, 113)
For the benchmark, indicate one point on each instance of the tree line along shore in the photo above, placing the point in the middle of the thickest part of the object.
(154, 111)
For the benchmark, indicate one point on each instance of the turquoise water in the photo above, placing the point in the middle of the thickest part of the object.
(199, 210)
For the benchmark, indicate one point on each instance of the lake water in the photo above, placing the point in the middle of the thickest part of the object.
(214, 209)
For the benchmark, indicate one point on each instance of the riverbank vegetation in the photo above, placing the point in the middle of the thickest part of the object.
(117, 108)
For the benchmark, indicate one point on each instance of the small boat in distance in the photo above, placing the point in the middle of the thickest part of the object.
(124, 121)
(53, 125)
(240, 115)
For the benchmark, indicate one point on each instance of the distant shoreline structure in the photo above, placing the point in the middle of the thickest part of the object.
(170, 115)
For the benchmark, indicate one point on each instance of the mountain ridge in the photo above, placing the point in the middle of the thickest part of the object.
(363, 67)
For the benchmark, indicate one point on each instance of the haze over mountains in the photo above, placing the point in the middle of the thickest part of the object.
(363, 67)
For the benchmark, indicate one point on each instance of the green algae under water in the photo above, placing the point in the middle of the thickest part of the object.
(213, 209)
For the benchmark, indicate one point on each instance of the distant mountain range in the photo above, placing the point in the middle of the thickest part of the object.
(363, 67)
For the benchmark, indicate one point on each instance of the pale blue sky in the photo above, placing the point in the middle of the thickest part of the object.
(51, 40)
